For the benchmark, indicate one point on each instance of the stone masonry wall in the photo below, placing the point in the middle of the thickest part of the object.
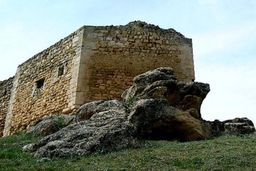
(93, 63)
(113, 55)
(5, 94)
(44, 84)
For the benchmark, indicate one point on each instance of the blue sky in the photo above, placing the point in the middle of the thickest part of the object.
(223, 33)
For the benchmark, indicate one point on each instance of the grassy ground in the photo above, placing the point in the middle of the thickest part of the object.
(223, 153)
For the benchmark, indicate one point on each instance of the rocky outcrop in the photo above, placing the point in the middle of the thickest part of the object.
(105, 131)
(161, 83)
(156, 119)
(157, 107)
(86, 111)
(49, 124)
(239, 126)
(170, 109)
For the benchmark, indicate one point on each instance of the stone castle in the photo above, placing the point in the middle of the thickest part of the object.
(93, 63)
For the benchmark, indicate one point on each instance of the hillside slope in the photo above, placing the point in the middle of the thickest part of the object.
(223, 153)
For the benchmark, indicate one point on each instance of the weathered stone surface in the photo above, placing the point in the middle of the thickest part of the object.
(217, 127)
(105, 131)
(156, 119)
(239, 126)
(162, 84)
(164, 108)
(87, 110)
(49, 124)
(156, 107)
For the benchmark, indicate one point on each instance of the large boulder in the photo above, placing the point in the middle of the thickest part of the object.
(161, 83)
(105, 131)
(155, 119)
(169, 109)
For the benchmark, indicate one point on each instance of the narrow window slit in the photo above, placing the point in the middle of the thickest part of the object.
(40, 83)
(61, 71)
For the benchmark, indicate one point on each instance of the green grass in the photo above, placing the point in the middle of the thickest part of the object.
(223, 153)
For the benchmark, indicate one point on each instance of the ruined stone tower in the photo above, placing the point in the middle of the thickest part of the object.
(93, 63)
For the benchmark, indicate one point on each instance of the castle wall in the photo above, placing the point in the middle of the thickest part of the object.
(5, 94)
(45, 84)
(93, 63)
(113, 55)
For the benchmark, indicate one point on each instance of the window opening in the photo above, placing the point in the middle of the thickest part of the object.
(40, 84)
(38, 88)
(61, 71)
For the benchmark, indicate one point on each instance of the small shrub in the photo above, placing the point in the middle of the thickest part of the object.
(60, 122)
(131, 101)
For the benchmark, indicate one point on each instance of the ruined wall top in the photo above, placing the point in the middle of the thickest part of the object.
(145, 25)
(135, 25)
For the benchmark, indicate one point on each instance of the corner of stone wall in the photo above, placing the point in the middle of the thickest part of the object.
(85, 71)
(8, 119)
(187, 64)
(5, 94)
(74, 91)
